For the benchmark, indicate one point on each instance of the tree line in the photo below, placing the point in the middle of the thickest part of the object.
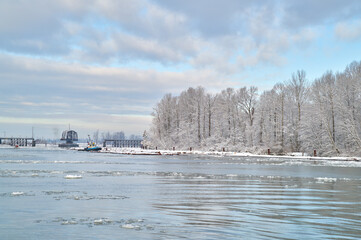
(294, 116)
(101, 136)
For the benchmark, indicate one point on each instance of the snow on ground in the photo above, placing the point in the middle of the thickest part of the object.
(139, 151)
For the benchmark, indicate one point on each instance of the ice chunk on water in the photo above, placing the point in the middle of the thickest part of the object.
(17, 193)
(69, 222)
(102, 221)
(73, 177)
(98, 221)
(325, 179)
(131, 226)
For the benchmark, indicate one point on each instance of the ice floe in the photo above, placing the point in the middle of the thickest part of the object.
(17, 193)
(325, 179)
(73, 177)
(102, 221)
(131, 226)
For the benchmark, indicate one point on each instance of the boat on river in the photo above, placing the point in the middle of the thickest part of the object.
(92, 147)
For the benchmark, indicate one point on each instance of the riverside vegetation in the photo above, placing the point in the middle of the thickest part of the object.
(294, 116)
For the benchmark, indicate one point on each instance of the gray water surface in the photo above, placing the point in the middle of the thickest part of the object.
(60, 194)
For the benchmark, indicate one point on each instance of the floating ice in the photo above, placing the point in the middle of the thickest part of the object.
(69, 222)
(101, 221)
(98, 221)
(135, 224)
(73, 177)
(325, 179)
(130, 226)
(17, 193)
(231, 175)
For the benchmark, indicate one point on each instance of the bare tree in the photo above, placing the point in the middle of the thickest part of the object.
(298, 90)
(96, 136)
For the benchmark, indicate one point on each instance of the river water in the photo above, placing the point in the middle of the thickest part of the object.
(62, 194)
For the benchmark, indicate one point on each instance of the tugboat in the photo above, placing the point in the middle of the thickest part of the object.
(92, 147)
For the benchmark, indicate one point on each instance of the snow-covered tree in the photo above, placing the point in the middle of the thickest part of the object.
(297, 93)
(292, 116)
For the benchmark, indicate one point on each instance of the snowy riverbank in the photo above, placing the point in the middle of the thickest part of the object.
(139, 151)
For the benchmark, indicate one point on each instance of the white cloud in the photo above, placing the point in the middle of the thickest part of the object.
(307, 13)
(111, 32)
(349, 31)
(73, 57)
(40, 88)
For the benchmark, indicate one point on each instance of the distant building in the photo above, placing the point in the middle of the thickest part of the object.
(69, 136)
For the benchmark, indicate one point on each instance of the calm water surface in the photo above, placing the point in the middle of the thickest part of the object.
(60, 194)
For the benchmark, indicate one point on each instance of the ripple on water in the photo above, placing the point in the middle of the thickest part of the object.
(234, 200)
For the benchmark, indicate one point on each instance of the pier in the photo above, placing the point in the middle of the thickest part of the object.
(123, 143)
(18, 141)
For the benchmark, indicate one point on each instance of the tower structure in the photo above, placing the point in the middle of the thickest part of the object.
(69, 136)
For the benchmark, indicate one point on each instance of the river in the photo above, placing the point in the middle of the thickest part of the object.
(49, 193)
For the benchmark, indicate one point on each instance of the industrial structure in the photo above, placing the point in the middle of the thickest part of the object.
(69, 136)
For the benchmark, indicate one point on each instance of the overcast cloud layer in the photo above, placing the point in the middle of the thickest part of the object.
(103, 64)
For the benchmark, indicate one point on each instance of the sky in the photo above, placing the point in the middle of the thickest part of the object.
(104, 64)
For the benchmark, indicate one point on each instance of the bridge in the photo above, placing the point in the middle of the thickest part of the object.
(18, 141)
(123, 143)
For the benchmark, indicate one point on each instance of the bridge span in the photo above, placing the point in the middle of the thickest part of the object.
(20, 141)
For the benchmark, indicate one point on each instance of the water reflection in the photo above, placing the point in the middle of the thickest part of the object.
(260, 207)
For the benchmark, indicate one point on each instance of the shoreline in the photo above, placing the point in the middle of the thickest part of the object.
(148, 152)
(139, 151)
